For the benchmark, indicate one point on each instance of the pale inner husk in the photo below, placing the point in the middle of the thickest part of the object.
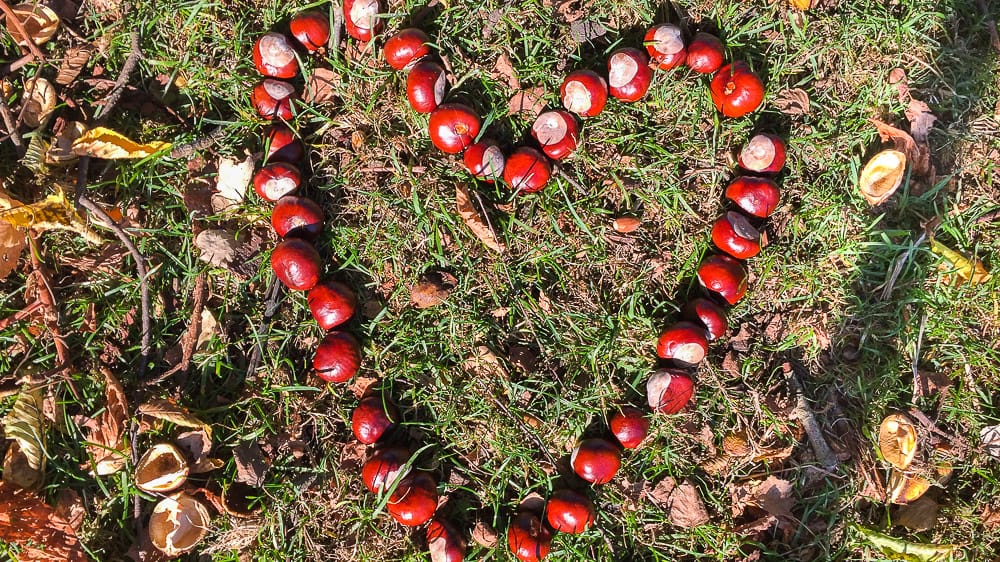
(882, 175)
(178, 524)
(897, 440)
(622, 69)
(161, 469)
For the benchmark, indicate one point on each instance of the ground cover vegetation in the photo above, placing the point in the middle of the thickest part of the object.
(500, 361)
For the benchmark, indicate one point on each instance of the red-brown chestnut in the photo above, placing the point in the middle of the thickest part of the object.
(736, 90)
(756, 196)
(724, 276)
(629, 74)
(282, 144)
(311, 29)
(361, 19)
(596, 460)
(406, 47)
(709, 315)
(528, 537)
(669, 390)
(629, 425)
(425, 86)
(453, 127)
(273, 99)
(557, 132)
(705, 53)
(569, 511)
(274, 56)
(372, 418)
(332, 303)
(764, 154)
(684, 342)
(444, 542)
(527, 170)
(414, 501)
(276, 180)
(384, 467)
(485, 160)
(338, 357)
(665, 45)
(296, 263)
(733, 234)
(298, 217)
(584, 92)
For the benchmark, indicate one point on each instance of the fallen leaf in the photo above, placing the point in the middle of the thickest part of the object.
(968, 271)
(529, 102)
(101, 142)
(990, 517)
(361, 385)
(921, 120)
(251, 465)
(800, 4)
(474, 220)
(217, 246)
(234, 177)
(55, 212)
(792, 102)
(40, 23)
(571, 10)
(685, 507)
(900, 549)
(74, 61)
(917, 154)
(198, 445)
(989, 438)
(168, 411)
(587, 30)
(12, 239)
(660, 493)
(433, 289)
(920, 515)
(484, 534)
(60, 151)
(39, 532)
(897, 77)
(320, 88)
(24, 464)
(504, 70)
(485, 365)
(69, 506)
(106, 437)
(774, 496)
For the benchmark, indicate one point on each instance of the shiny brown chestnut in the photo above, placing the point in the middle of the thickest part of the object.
(557, 132)
(669, 390)
(756, 196)
(425, 86)
(709, 315)
(282, 144)
(384, 467)
(736, 90)
(414, 501)
(528, 537)
(764, 154)
(733, 234)
(485, 160)
(684, 343)
(332, 303)
(274, 56)
(629, 74)
(527, 170)
(569, 511)
(444, 542)
(596, 460)
(311, 29)
(665, 45)
(629, 425)
(338, 357)
(297, 217)
(453, 127)
(276, 180)
(361, 19)
(296, 263)
(372, 418)
(584, 92)
(705, 53)
(273, 99)
(406, 47)
(724, 276)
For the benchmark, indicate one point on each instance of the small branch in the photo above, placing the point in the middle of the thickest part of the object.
(524, 428)
(802, 412)
(565, 175)
(8, 121)
(12, 19)
(338, 24)
(188, 150)
(11, 67)
(135, 53)
(47, 297)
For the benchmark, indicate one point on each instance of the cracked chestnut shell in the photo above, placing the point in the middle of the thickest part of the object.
(710, 315)
(311, 29)
(669, 390)
(557, 132)
(736, 90)
(338, 357)
(665, 45)
(273, 99)
(296, 263)
(178, 523)
(584, 92)
(528, 537)
(755, 196)
(406, 47)
(527, 170)
(724, 276)
(596, 460)
(453, 127)
(297, 217)
(384, 467)
(415, 500)
(705, 53)
(629, 74)
(629, 425)
(485, 160)
(569, 511)
(361, 19)
(372, 418)
(425, 86)
(733, 234)
(275, 180)
(332, 303)
(282, 144)
(764, 154)
(274, 56)
(685, 343)
(444, 542)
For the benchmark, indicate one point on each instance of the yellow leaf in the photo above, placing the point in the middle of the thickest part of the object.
(800, 4)
(967, 271)
(12, 239)
(101, 142)
(168, 411)
(55, 212)
(24, 464)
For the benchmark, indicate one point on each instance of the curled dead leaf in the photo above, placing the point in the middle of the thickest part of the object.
(101, 142)
(882, 175)
(168, 411)
(39, 21)
(24, 463)
(792, 102)
(218, 247)
(474, 220)
(60, 152)
(433, 289)
(74, 61)
(106, 438)
(36, 528)
(529, 102)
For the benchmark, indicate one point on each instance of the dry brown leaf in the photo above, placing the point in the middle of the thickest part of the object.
(321, 86)
(217, 247)
(921, 120)
(774, 496)
(198, 445)
(168, 411)
(251, 464)
(504, 71)
(920, 515)
(361, 385)
(474, 220)
(991, 517)
(234, 177)
(24, 424)
(586, 30)
(485, 365)
(571, 10)
(40, 23)
(27, 521)
(75, 59)
(12, 239)
(917, 154)
(432, 289)
(529, 102)
(484, 534)
(685, 507)
(660, 493)
(989, 438)
(60, 151)
(897, 77)
(106, 437)
(792, 102)
(69, 506)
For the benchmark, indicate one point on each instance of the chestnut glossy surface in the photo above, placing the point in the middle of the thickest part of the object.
(274, 56)
(361, 19)
(311, 29)
(629, 425)
(665, 45)
(414, 501)
(736, 90)
(669, 390)
(527, 170)
(569, 511)
(724, 276)
(296, 263)
(733, 234)
(756, 196)
(684, 342)
(629, 74)
(298, 217)
(425, 86)
(372, 418)
(557, 132)
(705, 53)
(764, 154)
(596, 460)
(485, 160)
(453, 127)
(444, 542)
(275, 180)
(282, 144)
(406, 47)
(528, 537)
(332, 303)
(338, 357)
(710, 315)
(584, 92)
(273, 99)
(384, 467)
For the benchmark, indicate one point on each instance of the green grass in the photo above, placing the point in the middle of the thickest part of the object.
(587, 301)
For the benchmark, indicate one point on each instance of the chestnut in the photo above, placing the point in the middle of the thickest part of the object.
(629, 74)
(705, 53)
(338, 357)
(669, 390)
(274, 56)
(684, 342)
(273, 99)
(361, 19)
(736, 90)
(733, 234)
(384, 467)
(527, 170)
(297, 217)
(444, 542)
(311, 29)
(596, 460)
(665, 45)
(372, 418)
(569, 511)
(415, 500)
(425, 86)
(764, 154)
(485, 160)
(528, 537)
(557, 132)
(709, 314)
(406, 47)
(756, 196)
(629, 425)
(332, 303)
(282, 144)
(584, 92)
(453, 127)
(275, 180)
(296, 263)
(724, 276)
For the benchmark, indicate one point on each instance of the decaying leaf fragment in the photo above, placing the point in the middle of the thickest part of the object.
(234, 177)
(60, 152)
(474, 220)
(897, 440)
(101, 142)
(55, 212)
(168, 411)
(39, 22)
(971, 271)
(38, 531)
(106, 438)
(899, 549)
(882, 175)
(24, 464)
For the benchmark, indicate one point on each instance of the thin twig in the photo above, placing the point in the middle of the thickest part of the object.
(189, 149)
(135, 53)
(338, 24)
(12, 19)
(524, 427)
(189, 340)
(11, 67)
(47, 297)
(8, 121)
(826, 457)
(20, 314)
(919, 384)
(271, 301)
